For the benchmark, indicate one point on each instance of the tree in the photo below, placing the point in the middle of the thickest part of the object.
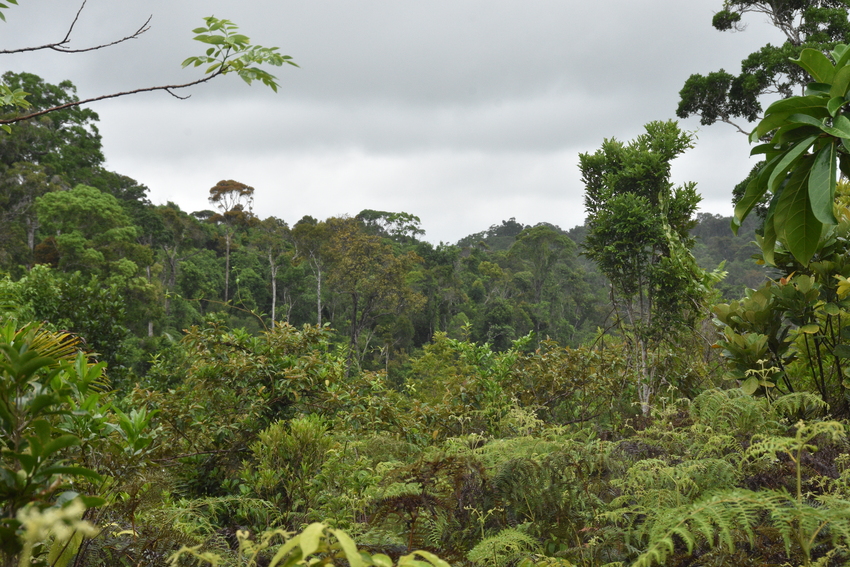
(234, 201)
(401, 227)
(90, 232)
(20, 186)
(271, 236)
(371, 275)
(541, 249)
(66, 142)
(813, 24)
(310, 238)
(228, 52)
(638, 227)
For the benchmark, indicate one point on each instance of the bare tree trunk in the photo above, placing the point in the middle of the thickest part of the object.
(318, 295)
(150, 321)
(226, 267)
(273, 268)
(32, 226)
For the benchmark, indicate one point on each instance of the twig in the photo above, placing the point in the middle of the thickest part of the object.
(60, 45)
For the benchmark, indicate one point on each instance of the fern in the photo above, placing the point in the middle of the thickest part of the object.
(800, 405)
(733, 412)
(721, 517)
(652, 484)
(504, 548)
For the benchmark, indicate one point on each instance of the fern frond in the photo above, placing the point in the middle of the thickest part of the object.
(723, 516)
(504, 548)
(798, 404)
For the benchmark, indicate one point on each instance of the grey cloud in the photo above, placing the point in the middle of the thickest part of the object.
(464, 113)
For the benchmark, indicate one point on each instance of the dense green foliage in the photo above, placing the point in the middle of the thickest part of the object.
(218, 388)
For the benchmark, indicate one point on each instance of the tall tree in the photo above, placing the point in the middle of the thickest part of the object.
(371, 275)
(310, 238)
(91, 232)
(234, 200)
(638, 234)
(271, 236)
(20, 186)
(817, 24)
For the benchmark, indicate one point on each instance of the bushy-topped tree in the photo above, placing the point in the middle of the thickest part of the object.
(638, 234)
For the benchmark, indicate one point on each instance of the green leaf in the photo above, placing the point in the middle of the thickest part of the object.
(841, 351)
(777, 113)
(768, 241)
(810, 329)
(349, 548)
(800, 118)
(431, 558)
(841, 55)
(285, 550)
(840, 83)
(750, 385)
(381, 560)
(788, 160)
(835, 103)
(795, 223)
(61, 442)
(822, 184)
(816, 64)
(756, 189)
(818, 89)
(310, 538)
(78, 471)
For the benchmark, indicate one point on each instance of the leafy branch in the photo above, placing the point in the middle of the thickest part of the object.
(230, 52)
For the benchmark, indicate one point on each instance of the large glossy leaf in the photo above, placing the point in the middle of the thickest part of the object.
(835, 104)
(768, 241)
(817, 65)
(822, 184)
(756, 189)
(787, 161)
(778, 113)
(840, 83)
(841, 55)
(795, 223)
(793, 133)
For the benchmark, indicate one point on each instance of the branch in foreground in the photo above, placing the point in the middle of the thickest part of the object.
(60, 45)
(166, 88)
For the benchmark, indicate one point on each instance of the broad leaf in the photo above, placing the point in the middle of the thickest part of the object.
(840, 83)
(835, 103)
(822, 184)
(795, 223)
(788, 160)
(817, 65)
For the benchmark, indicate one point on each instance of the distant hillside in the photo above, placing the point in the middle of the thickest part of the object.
(715, 243)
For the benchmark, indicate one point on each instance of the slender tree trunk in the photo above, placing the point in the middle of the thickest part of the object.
(172, 279)
(150, 321)
(318, 295)
(32, 226)
(273, 268)
(352, 347)
(227, 267)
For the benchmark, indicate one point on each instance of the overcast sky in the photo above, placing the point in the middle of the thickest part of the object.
(463, 112)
